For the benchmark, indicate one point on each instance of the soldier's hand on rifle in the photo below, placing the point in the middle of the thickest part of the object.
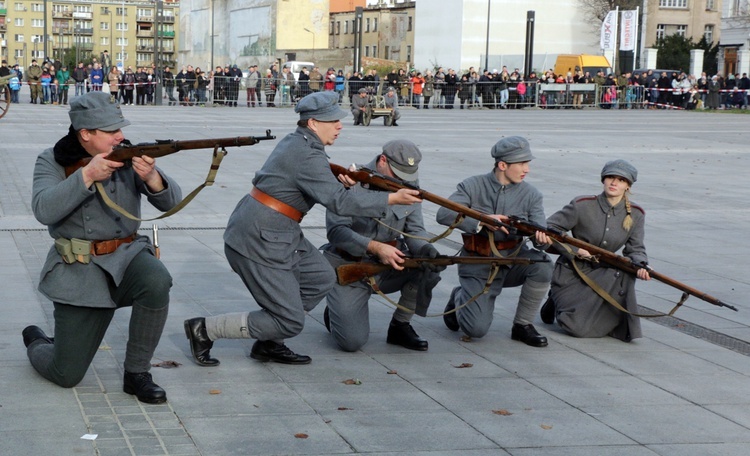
(387, 254)
(643, 272)
(346, 180)
(583, 253)
(99, 169)
(500, 217)
(429, 251)
(145, 167)
(405, 196)
(542, 238)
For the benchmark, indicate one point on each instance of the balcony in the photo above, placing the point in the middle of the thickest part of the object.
(62, 15)
(85, 46)
(3, 11)
(145, 49)
(84, 31)
(145, 18)
(168, 19)
(167, 34)
(144, 33)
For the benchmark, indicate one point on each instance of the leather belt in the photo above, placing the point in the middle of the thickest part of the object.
(480, 245)
(107, 247)
(276, 205)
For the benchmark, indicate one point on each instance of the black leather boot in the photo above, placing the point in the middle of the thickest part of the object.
(528, 335)
(403, 334)
(143, 387)
(451, 319)
(548, 311)
(32, 334)
(200, 344)
(268, 350)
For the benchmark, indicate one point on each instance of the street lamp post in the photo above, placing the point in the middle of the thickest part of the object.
(313, 46)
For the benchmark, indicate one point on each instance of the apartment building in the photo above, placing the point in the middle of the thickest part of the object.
(80, 30)
(689, 18)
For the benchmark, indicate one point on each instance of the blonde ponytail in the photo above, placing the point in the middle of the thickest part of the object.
(627, 223)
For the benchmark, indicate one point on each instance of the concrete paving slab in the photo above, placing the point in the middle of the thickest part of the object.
(669, 393)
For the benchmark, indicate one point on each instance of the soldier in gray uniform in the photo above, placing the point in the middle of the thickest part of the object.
(500, 193)
(264, 243)
(391, 101)
(98, 263)
(612, 222)
(354, 239)
(359, 106)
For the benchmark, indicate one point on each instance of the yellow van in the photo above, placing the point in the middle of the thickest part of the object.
(566, 63)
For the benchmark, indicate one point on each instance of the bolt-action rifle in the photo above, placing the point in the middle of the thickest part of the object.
(518, 226)
(161, 147)
(126, 151)
(354, 272)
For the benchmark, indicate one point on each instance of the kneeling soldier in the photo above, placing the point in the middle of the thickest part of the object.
(98, 263)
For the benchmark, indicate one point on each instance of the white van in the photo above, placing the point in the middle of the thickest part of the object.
(295, 66)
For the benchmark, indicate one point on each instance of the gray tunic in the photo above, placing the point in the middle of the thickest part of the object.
(349, 318)
(579, 310)
(486, 194)
(357, 104)
(70, 210)
(284, 272)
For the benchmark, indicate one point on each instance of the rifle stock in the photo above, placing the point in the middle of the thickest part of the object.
(524, 228)
(354, 272)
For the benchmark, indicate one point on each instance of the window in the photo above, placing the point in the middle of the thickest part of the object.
(19, 54)
(104, 10)
(710, 5)
(367, 51)
(708, 33)
(681, 30)
(121, 11)
(375, 24)
(19, 7)
(122, 56)
(375, 51)
(60, 9)
(121, 26)
(18, 22)
(332, 28)
(37, 23)
(19, 38)
(104, 41)
(409, 26)
(104, 26)
(122, 41)
(338, 27)
(673, 3)
(346, 27)
(408, 53)
(387, 54)
(37, 7)
(660, 31)
(367, 24)
(82, 8)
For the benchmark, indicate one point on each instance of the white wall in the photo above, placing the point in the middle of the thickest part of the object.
(452, 33)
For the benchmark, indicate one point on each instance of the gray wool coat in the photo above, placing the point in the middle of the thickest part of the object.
(71, 210)
(579, 310)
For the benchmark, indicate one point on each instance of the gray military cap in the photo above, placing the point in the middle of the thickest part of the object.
(96, 111)
(620, 168)
(322, 106)
(362, 90)
(513, 149)
(404, 157)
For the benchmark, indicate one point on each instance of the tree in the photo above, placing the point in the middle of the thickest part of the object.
(596, 10)
(674, 53)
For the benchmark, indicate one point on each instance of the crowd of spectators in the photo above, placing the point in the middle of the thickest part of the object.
(441, 89)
